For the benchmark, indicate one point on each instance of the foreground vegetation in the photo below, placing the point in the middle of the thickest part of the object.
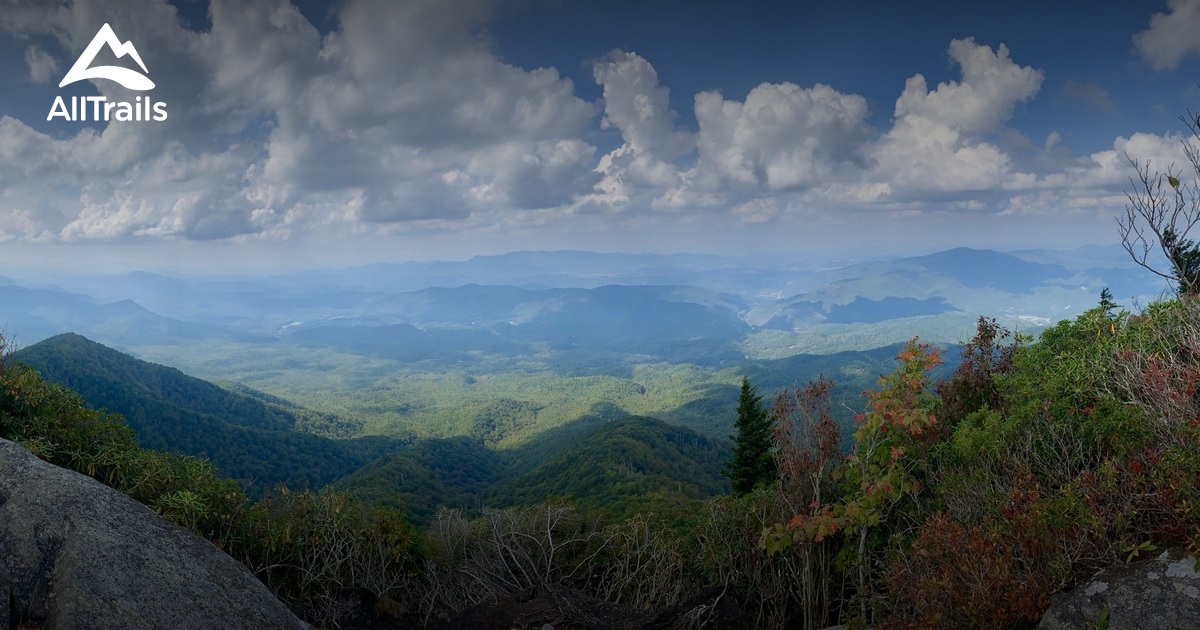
(966, 501)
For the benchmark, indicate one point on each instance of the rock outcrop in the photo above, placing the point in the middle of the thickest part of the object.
(75, 554)
(1162, 593)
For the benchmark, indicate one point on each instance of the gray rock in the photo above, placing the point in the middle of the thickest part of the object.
(1160, 594)
(75, 554)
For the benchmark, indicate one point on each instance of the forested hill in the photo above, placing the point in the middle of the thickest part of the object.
(248, 439)
(627, 466)
(622, 466)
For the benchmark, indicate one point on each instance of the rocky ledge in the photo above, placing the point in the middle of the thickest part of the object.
(76, 554)
(1162, 593)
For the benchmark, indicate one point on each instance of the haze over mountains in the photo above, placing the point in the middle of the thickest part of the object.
(553, 290)
(428, 348)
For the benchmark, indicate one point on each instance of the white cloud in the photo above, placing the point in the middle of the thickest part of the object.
(550, 174)
(1171, 36)
(402, 94)
(1097, 184)
(178, 193)
(783, 136)
(1052, 140)
(812, 149)
(401, 114)
(17, 224)
(936, 144)
(636, 105)
(1111, 170)
(417, 72)
(991, 87)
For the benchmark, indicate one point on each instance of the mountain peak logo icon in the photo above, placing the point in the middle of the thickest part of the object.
(131, 79)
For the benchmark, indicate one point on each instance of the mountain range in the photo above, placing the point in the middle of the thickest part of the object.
(548, 295)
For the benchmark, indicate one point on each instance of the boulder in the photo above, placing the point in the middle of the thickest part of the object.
(1162, 593)
(75, 553)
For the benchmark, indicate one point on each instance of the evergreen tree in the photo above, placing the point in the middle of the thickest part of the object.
(752, 463)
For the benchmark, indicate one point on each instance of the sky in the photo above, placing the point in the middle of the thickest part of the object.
(316, 134)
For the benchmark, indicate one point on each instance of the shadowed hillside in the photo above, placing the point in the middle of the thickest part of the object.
(246, 438)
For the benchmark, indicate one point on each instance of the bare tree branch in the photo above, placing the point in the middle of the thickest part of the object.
(1163, 209)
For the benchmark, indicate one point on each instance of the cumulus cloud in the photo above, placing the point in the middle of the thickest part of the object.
(197, 196)
(991, 86)
(937, 142)
(547, 175)
(782, 136)
(637, 106)
(400, 108)
(17, 224)
(1096, 184)
(1171, 36)
(1111, 169)
(127, 179)
(401, 113)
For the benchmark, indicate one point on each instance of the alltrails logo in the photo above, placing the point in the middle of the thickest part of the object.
(99, 107)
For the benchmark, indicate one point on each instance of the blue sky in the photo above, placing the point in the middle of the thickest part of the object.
(314, 134)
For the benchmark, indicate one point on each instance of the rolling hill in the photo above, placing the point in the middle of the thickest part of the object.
(625, 466)
(443, 472)
(622, 466)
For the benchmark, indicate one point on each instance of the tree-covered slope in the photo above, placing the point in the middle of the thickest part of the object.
(626, 466)
(619, 466)
(427, 475)
(246, 438)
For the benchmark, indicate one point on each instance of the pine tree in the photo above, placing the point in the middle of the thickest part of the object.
(752, 463)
